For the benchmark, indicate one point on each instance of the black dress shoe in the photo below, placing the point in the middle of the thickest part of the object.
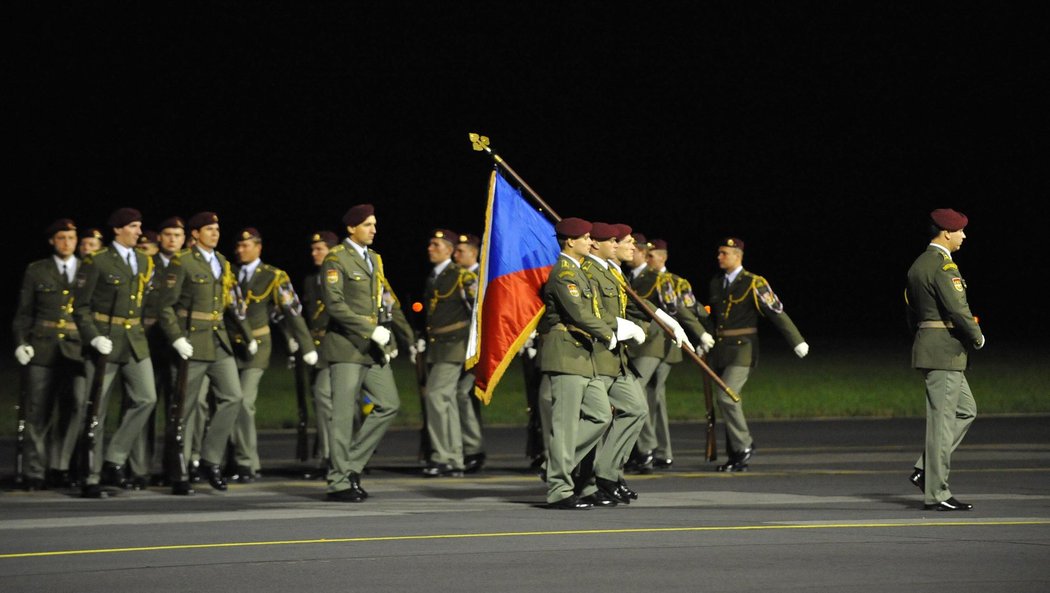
(612, 490)
(571, 503)
(600, 500)
(113, 475)
(244, 475)
(355, 484)
(948, 505)
(137, 483)
(662, 462)
(918, 477)
(627, 490)
(194, 471)
(93, 491)
(182, 489)
(213, 473)
(34, 484)
(473, 463)
(58, 478)
(433, 470)
(348, 495)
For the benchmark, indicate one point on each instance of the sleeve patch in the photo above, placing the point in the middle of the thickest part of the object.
(332, 276)
(573, 290)
(957, 284)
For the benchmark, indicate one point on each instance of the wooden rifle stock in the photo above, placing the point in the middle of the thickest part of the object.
(93, 414)
(302, 389)
(174, 437)
(20, 434)
(711, 451)
(425, 447)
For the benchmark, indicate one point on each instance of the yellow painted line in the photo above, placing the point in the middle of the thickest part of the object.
(449, 536)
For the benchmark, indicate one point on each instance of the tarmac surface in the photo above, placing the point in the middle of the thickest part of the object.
(826, 506)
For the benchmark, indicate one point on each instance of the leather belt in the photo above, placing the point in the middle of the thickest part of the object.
(114, 319)
(445, 329)
(61, 324)
(201, 316)
(936, 324)
(728, 333)
(262, 331)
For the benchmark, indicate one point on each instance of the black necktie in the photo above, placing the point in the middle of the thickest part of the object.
(65, 273)
(130, 263)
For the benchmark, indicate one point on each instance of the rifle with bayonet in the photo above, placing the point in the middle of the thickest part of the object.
(302, 398)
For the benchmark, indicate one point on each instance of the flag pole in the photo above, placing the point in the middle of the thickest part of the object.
(481, 143)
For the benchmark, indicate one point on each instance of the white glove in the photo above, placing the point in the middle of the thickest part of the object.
(707, 341)
(802, 350)
(421, 345)
(24, 354)
(386, 359)
(412, 352)
(679, 331)
(629, 330)
(530, 352)
(381, 335)
(293, 346)
(253, 347)
(978, 346)
(393, 354)
(310, 358)
(103, 344)
(183, 347)
(685, 343)
(612, 343)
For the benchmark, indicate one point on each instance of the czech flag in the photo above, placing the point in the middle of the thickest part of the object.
(518, 250)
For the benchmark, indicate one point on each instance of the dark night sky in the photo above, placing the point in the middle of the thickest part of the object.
(821, 137)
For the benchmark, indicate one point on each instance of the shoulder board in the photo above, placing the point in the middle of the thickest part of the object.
(175, 261)
(332, 256)
(183, 251)
(338, 248)
(949, 266)
(587, 264)
(269, 268)
(943, 254)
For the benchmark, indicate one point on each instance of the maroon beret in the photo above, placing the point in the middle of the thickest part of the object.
(949, 219)
(62, 224)
(445, 235)
(328, 237)
(148, 236)
(640, 240)
(572, 227)
(249, 233)
(601, 231)
(658, 244)
(357, 214)
(123, 217)
(622, 231)
(93, 232)
(202, 219)
(469, 239)
(733, 242)
(173, 222)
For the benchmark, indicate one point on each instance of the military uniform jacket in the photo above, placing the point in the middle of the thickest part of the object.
(107, 301)
(315, 315)
(44, 317)
(571, 327)
(737, 309)
(674, 295)
(196, 305)
(937, 292)
(270, 297)
(357, 300)
(612, 303)
(449, 301)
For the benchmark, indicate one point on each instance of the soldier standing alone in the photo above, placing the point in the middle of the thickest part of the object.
(944, 331)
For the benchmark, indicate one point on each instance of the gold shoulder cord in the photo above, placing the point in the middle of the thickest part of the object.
(432, 304)
(251, 297)
(652, 289)
(381, 282)
(144, 279)
(732, 301)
